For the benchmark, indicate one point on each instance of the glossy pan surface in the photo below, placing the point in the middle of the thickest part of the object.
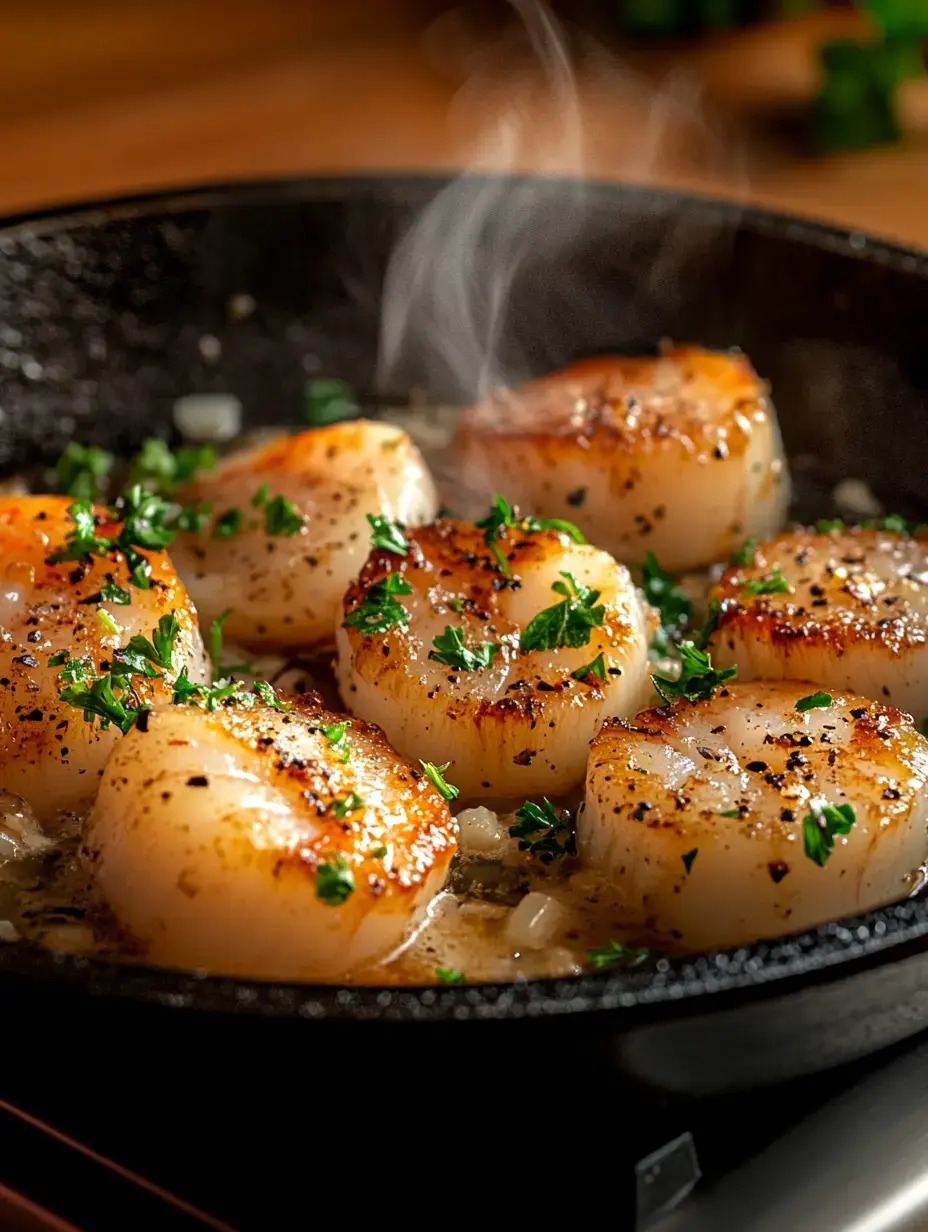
(107, 314)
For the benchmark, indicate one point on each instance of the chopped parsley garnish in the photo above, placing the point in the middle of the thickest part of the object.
(111, 593)
(688, 857)
(228, 524)
(745, 554)
(328, 401)
(731, 813)
(83, 540)
(820, 828)
(215, 640)
(281, 516)
(336, 734)
(774, 583)
(379, 610)
(379, 852)
(698, 679)
(456, 604)
(194, 518)
(98, 699)
(268, 694)
(670, 599)
(345, 805)
(567, 623)
(895, 522)
(815, 701)
(387, 535)
(106, 620)
(334, 881)
(555, 835)
(615, 954)
(436, 776)
(162, 469)
(597, 668)
(447, 975)
(825, 525)
(713, 616)
(503, 517)
(451, 650)
(81, 469)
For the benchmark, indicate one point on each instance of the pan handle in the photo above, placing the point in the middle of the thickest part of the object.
(859, 1164)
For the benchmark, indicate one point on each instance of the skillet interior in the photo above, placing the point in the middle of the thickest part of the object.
(102, 317)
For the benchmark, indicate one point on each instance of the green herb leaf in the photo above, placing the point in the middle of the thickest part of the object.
(83, 540)
(597, 668)
(81, 469)
(379, 852)
(503, 517)
(435, 775)
(228, 524)
(447, 975)
(825, 525)
(895, 523)
(568, 623)
(145, 521)
(773, 584)
(731, 813)
(215, 640)
(327, 401)
(336, 734)
(73, 671)
(161, 469)
(268, 694)
(821, 826)
(345, 805)
(281, 517)
(713, 616)
(106, 620)
(698, 679)
(387, 535)
(815, 701)
(379, 610)
(671, 600)
(745, 554)
(615, 954)
(688, 858)
(193, 518)
(456, 604)
(451, 650)
(334, 881)
(98, 699)
(556, 839)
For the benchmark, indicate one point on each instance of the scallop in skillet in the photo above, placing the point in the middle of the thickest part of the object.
(500, 655)
(766, 809)
(289, 529)
(678, 455)
(61, 602)
(847, 608)
(275, 841)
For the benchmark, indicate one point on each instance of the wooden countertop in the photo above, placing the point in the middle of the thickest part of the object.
(106, 98)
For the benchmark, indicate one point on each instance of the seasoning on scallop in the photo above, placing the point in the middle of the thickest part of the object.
(499, 646)
(77, 586)
(275, 840)
(288, 528)
(845, 607)
(678, 455)
(759, 810)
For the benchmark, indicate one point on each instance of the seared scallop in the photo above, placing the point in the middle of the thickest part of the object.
(289, 529)
(82, 608)
(846, 608)
(767, 809)
(278, 843)
(505, 666)
(678, 455)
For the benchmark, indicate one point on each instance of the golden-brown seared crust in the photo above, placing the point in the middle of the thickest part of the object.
(702, 403)
(848, 588)
(275, 742)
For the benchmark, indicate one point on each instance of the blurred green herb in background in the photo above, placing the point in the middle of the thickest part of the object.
(857, 105)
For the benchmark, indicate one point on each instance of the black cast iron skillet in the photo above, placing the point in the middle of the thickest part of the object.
(103, 315)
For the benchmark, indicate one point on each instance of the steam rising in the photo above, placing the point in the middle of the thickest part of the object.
(501, 276)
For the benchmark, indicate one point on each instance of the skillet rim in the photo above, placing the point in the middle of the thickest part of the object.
(827, 953)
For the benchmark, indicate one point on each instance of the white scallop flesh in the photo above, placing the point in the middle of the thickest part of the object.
(284, 590)
(678, 455)
(212, 832)
(696, 812)
(854, 616)
(49, 754)
(523, 724)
